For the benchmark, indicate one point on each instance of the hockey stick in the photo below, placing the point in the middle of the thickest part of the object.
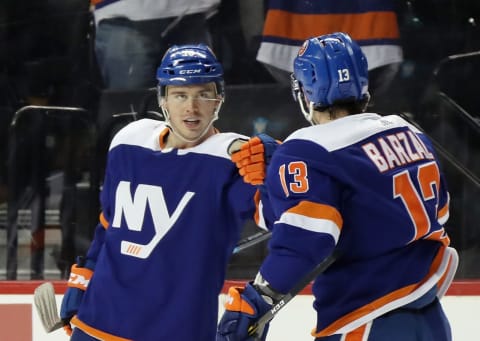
(46, 305)
(252, 240)
(269, 315)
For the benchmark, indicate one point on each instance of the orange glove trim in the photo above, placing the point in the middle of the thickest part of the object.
(68, 329)
(79, 277)
(236, 303)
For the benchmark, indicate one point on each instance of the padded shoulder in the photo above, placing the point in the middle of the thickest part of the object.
(349, 130)
(216, 145)
(143, 133)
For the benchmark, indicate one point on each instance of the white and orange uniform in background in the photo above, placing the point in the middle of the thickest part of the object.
(371, 23)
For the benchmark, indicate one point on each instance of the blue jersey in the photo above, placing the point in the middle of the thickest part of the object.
(369, 186)
(170, 221)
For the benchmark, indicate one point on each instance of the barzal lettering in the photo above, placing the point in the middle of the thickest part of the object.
(396, 150)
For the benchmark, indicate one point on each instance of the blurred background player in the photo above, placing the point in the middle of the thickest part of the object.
(173, 207)
(372, 23)
(133, 35)
(367, 186)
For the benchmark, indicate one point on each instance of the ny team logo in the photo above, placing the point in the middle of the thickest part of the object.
(134, 210)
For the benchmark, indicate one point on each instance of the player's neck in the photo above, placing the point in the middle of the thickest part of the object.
(322, 117)
(177, 141)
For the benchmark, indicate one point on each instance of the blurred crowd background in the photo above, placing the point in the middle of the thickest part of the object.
(59, 110)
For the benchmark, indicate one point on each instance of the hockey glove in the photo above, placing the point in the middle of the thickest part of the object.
(80, 275)
(244, 307)
(253, 158)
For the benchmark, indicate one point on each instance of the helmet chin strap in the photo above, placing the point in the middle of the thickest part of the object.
(308, 114)
(183, 138)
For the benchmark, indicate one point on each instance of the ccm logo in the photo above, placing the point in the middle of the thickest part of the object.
(190, 72)
(277, 307)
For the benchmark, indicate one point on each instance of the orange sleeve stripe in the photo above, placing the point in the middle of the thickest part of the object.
(104, 221)
(318, 211)
(95, 332)
(359, 26)
(236, 303)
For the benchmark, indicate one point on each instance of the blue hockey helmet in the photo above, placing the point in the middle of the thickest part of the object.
(329, 69)
(190, 64)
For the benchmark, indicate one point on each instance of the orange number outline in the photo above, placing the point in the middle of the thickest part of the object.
(428, 176)
(299, 171)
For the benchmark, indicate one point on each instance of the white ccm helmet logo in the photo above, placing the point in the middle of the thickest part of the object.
(190, 72)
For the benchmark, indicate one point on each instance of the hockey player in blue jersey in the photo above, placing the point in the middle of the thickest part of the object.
(173, 205)
(364, 185)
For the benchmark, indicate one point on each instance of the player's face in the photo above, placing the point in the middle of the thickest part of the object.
(191, 109)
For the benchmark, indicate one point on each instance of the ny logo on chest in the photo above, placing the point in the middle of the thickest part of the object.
(134, 210)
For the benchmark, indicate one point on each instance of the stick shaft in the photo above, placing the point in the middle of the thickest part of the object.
(269, 315)
(252, 240)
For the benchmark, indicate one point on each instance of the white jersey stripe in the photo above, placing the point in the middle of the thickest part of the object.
(311, 224)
